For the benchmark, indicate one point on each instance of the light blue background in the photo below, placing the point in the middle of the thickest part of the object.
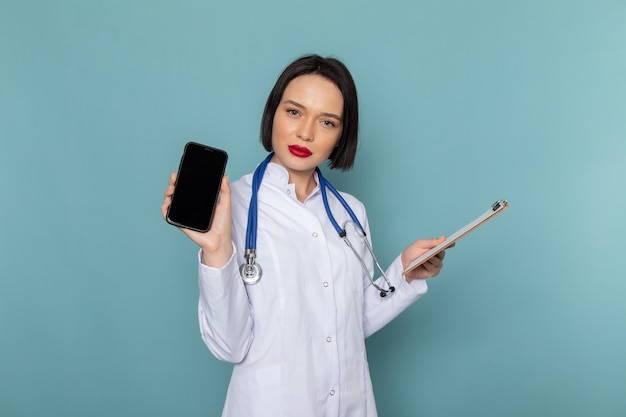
(462, 103)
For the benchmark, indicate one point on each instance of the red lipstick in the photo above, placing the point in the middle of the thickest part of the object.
(299, 151)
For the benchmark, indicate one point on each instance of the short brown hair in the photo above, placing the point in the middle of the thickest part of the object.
(335, 71)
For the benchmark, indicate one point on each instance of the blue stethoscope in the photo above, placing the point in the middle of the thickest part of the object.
(251, 271)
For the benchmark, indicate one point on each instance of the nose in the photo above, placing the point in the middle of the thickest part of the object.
(306, 130)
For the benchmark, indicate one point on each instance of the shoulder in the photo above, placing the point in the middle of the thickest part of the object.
(243, 183)
(350, 199)
(241, 190)
(357, 206)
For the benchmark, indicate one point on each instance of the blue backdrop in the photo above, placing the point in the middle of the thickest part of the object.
(462, 103)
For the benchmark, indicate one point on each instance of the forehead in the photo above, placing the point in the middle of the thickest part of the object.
(314, 90)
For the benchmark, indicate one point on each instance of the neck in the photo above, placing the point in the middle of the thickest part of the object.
(304, 184)
(304, 181)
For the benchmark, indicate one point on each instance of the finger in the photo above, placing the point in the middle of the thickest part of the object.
(164, 208)
(167, 195)
(430, 243)
(432, 267)
(170, 188)
(435, 261)
(223, 198)
(225, 186)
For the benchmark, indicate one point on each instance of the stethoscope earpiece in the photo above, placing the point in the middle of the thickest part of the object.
(383, 293)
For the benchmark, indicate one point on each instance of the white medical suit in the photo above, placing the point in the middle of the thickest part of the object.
(297, 337)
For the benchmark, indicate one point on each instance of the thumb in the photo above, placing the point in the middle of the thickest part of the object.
(430, 243)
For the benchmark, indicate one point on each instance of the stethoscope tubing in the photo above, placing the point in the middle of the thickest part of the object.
(323, 186)
(251, 272)
(253, 212)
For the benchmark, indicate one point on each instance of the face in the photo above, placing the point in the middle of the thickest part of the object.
(307, 124)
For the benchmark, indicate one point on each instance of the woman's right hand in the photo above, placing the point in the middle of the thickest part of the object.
(216, 243)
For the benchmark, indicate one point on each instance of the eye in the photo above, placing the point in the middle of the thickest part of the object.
(293, 112)
(328, 123)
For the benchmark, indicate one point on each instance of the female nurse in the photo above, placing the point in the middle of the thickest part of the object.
(297, 336)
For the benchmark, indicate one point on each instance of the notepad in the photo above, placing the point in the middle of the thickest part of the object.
(496, 208)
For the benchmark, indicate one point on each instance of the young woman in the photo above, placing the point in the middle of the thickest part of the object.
(295, 330)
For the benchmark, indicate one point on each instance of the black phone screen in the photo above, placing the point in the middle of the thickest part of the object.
(197, 187)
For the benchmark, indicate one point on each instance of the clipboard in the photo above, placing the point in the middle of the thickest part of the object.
(496, 208)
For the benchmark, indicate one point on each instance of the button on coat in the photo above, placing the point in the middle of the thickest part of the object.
(297, 337)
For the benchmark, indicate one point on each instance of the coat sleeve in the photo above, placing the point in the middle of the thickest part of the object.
(379, 311)
(224, 311)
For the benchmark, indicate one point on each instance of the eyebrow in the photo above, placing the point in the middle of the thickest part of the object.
(300, 106)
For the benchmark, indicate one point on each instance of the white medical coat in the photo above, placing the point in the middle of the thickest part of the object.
(297, 337)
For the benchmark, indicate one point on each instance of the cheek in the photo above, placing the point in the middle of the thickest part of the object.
(279, 128)
(275, 133)
(337, 139)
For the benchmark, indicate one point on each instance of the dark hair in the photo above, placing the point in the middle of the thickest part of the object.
(334, 70)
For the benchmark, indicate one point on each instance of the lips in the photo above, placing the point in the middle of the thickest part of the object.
(299, 151)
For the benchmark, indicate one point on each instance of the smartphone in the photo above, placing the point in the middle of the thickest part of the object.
(197, 187)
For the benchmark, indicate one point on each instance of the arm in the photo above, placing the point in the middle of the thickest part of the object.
(223, 308)
(224, 312)
(379, 311)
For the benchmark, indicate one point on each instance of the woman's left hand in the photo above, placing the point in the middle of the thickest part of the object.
(429, 268)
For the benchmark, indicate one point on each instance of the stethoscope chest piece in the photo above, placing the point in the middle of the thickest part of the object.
(250, 273)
